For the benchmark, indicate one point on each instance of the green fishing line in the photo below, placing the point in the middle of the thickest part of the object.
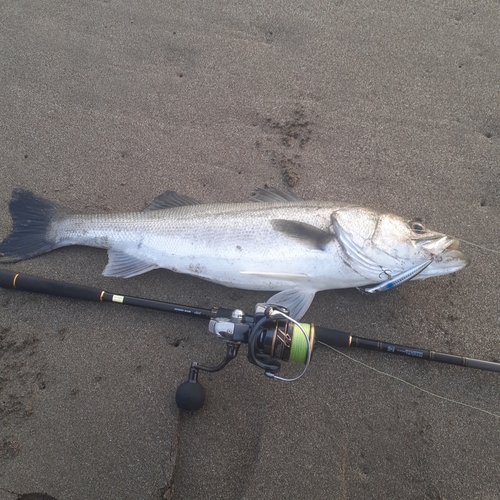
(299, 347)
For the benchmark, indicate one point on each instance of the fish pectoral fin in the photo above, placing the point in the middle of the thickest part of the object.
(296, 300)
(171, 199)
(311, 236)
(273, 195)
(122, 265)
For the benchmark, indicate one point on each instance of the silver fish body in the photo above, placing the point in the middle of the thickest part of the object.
(281, 243)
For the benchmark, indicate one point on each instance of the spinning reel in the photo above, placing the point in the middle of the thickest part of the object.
(272, 335)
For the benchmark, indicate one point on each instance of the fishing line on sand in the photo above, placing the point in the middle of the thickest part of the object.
(479, 246)
(449, 400)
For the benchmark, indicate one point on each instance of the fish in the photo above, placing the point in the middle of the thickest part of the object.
(275, 241)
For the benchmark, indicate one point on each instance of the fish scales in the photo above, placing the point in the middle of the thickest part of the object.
(218, 242)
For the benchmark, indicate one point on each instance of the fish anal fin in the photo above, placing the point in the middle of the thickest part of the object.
(171, 199)
(273, 195)
(296, 300)
(123, 265)
(303, 232)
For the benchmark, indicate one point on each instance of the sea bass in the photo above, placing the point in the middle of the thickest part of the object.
(275, 242)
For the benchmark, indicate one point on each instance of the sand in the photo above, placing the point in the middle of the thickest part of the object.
(105, 105)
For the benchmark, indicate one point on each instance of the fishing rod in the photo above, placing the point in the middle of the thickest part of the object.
(271, 334)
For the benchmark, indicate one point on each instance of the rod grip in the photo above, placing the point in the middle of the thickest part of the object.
(6, 278)
(27, 283)
(333, 338)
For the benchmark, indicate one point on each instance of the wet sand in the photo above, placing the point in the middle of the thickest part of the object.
(106, 105)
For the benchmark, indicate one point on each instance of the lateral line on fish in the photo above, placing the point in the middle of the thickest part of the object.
(399, 379)
(275, 275)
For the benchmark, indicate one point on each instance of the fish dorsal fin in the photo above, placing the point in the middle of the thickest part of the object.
(273, 195)
(122, 265)
(296, 300)
(312, 236)
(171, 199)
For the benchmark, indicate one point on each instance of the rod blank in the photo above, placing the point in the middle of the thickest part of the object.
(27, 283)
(336, 338)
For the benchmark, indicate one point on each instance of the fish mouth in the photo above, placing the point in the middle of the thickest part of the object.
(453, 258)
(437, 246)
(453, 245)
(450, 260)
(446, 258)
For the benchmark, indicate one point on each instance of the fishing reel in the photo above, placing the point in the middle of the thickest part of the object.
(272, 336)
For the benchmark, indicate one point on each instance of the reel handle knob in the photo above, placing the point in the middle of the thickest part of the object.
(190, 395)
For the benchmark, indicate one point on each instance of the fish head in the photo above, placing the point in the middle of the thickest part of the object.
(382, 242)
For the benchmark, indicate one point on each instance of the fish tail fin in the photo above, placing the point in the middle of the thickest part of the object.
(32, 219)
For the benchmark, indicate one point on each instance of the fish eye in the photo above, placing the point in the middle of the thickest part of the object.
(417, 225)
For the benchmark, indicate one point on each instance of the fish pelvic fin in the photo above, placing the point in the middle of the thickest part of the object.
(123, 265)
(296, 300)
(32, 218)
